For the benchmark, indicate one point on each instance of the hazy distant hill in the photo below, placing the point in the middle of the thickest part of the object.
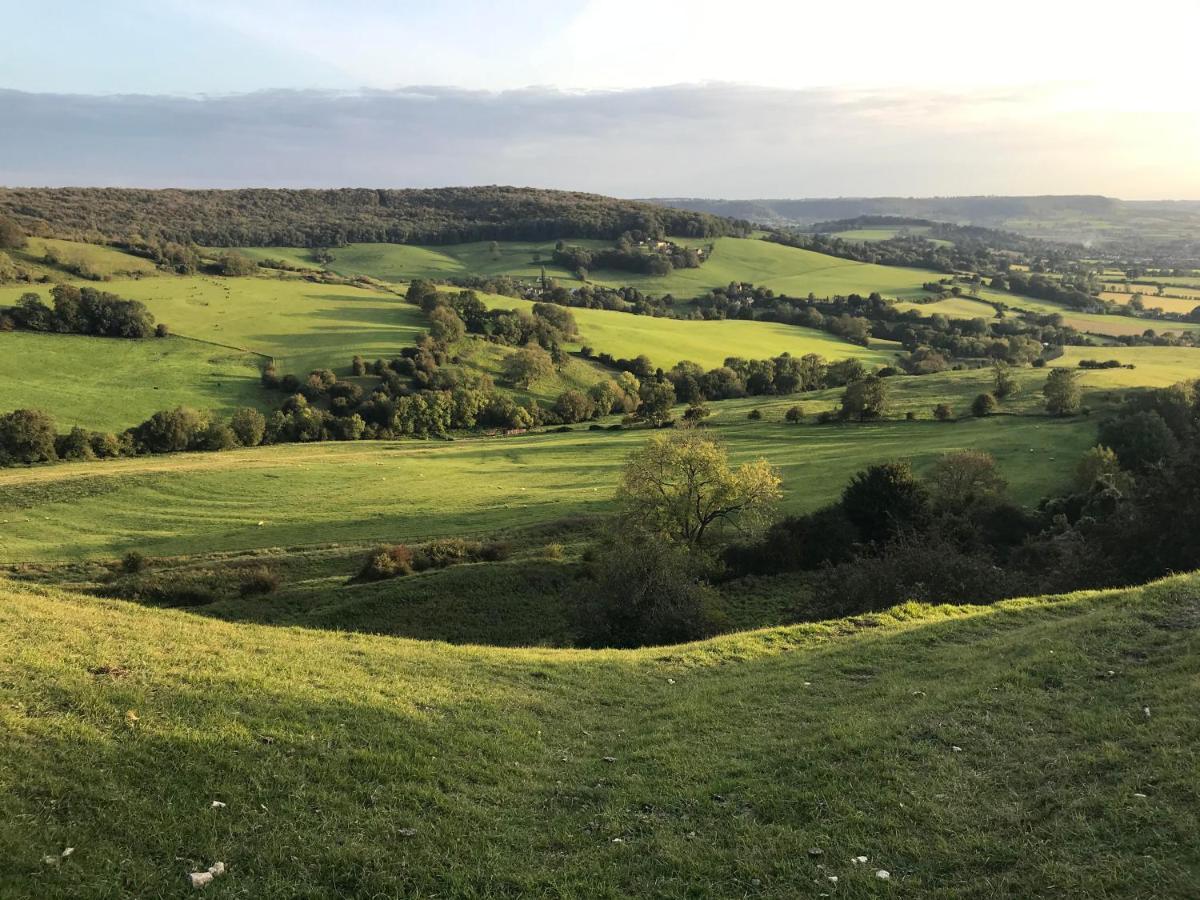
(1081, 218)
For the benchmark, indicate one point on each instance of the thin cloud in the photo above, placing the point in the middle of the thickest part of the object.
(683, 140)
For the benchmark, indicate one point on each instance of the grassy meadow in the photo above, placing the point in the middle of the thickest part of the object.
(667, 341)
(783, 269)
(866, 235)
(302, 494)
(952, 308)
(967, 751)
(109, 384)
(304, 325)
(95, 259)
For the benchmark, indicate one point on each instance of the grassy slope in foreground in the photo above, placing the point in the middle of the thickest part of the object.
(783, 269)
(111, 384)
(987, 752)
(306, 494)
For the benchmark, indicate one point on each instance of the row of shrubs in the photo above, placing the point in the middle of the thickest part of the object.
(399, 559)
(137, 579)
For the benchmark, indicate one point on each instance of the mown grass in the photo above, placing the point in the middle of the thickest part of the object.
(985, 752)
(409, 491)
(110, 384)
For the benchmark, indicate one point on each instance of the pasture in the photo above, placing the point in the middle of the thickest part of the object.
(952, 308)
(783, 269)
(709, 343)
(291, 495)
(867, 235)
(95, 259)
(110, 384)
(302, 324)
(967, 751)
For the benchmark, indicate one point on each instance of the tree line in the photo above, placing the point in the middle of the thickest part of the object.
(331, 218)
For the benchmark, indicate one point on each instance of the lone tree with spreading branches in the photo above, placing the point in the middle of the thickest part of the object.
(681, 486)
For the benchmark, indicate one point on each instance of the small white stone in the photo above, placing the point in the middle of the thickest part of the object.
(832, 878)
(68, 852)
(859, 859)
(1146, 711)
(883, 874)
(200, 879)
(217, 804)
(956, 748)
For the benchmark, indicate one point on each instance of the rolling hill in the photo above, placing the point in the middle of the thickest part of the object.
(1034, 748)
(785, 270)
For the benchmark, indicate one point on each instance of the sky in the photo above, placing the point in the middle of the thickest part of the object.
(696, 98)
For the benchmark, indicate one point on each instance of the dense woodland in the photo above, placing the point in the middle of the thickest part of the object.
(330, 218)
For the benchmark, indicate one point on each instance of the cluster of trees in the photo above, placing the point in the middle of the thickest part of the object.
(1046, 288)
(646, 254)
(781, 375)
(30, 436)
(12, 237)
(954, 535)
(548, 325)
(255, 217)
(82, 311)
(940, 246)
(180, 258)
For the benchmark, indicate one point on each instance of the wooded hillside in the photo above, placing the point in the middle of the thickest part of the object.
(315, 218)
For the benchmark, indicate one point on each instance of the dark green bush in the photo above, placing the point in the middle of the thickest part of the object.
(259, 580)
(387, 562)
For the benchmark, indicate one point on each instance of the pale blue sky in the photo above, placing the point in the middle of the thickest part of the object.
(227, 46)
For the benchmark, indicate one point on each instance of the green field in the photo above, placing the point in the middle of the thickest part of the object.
(968, 751)
(110, 384)
(105, 262)
(783, 269)
(667, 341)
(953, 307)
(867, 235)
(313, 494)
(302, 324)
(1154, 366)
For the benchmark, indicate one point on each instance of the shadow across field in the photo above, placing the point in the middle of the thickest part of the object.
(968, 752)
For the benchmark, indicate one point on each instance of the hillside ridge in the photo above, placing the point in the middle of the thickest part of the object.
(968, 751)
